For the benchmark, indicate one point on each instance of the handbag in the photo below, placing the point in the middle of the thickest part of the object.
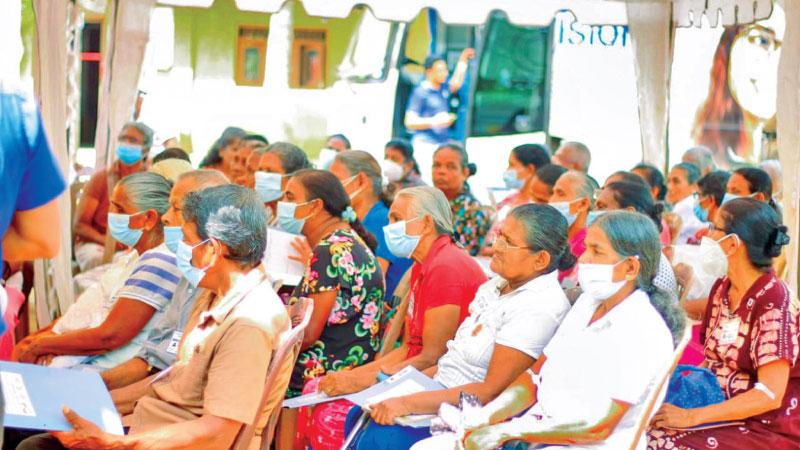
(693, 387)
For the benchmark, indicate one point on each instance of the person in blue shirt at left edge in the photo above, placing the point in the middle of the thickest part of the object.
(428, 115)
(30, 182)
(361, 177)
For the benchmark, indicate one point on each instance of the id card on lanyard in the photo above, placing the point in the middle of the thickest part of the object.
(730, 331)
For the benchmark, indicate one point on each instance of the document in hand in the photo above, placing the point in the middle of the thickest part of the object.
(276, 257)
(407, 381)
(34, 397)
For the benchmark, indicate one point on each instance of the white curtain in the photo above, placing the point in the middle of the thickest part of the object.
(650, 26)
(53, 279)
(789, 131)
(125, 36)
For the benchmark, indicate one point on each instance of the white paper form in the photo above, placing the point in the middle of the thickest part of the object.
(15, 394)
(276, 257)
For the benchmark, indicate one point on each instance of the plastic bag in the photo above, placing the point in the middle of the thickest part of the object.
(706, 267)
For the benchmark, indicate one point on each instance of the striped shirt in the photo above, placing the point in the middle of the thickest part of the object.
(153, 282)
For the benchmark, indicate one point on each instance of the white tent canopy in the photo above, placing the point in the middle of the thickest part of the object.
(651, 25)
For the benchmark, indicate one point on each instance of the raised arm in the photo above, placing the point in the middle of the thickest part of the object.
(457, 79)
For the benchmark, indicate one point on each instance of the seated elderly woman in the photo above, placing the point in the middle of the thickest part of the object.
(361, 177)
(636, 197)
(750, 331)
(342, 277)
(216, 385)
(451, 170)
(279, 161)
(591, 381)
(110, 321)
(510, 321)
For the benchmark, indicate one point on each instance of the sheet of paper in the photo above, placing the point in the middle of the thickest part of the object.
(309, 400)
(406, 387)
(276, 257)
(407, 381)
(15, 394)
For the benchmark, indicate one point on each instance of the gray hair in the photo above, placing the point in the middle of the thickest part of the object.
(358, 161)
(292, 157)
(204, 178)
(546, 230)
(429, 201)
(700, 156)
(233, 215)
(634, 234)
(146, 131)
(690, 169)
(147, 190)
(582, 156)
(586, 185)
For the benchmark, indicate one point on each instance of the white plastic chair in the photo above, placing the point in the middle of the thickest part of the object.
(655, 396)
(278, 375)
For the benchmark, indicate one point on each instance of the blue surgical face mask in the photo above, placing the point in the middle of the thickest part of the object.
(511, 179)
(129, 154)
(564, 209)
(183, 257)
(286, 220)
(594, 215)
(700, 212)
(268, 186)
(399, 242)
(121, 231)
(173, 235)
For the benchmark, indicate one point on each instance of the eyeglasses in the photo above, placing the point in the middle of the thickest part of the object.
(501, 245)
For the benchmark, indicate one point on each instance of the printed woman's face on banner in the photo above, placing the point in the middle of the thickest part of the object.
(753, 68)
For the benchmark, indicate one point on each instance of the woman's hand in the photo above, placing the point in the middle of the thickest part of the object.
(300, 245)
(670, 416)
(343, 382)
(25, 351)
(386, 411)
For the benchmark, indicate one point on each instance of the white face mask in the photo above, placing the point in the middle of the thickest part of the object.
(391, 170)
(597, 280)
(716, 259)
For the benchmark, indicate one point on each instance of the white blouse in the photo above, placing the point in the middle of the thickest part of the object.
(524, 319)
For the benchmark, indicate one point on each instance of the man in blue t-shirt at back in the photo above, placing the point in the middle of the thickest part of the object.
(428, 114)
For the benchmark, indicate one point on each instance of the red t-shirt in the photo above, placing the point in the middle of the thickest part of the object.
(447, 276)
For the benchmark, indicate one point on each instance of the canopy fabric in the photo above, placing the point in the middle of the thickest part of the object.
(126, 34)
(50, 85)
(475, 12)
(789, 133)
(651, 32)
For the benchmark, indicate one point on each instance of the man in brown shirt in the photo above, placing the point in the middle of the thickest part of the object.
(91, 215)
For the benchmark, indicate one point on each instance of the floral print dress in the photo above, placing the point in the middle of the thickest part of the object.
(471, 223)
(763, 329)
(341, 262)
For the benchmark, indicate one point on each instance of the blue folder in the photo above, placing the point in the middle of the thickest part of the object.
(34, 396)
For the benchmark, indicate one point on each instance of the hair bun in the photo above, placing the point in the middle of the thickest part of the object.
(777, 239)
(473, 169)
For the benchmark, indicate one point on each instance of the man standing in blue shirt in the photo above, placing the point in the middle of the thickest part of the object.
(428, 113)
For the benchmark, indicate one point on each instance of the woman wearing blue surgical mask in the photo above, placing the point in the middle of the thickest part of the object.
(361, 177)
(523, 163)
(591, 383)
(750, 335)
(342, 277)
(91, 214)
(126, 303)
(275, 166)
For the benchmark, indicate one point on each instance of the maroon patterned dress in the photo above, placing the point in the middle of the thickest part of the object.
(767, 332)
